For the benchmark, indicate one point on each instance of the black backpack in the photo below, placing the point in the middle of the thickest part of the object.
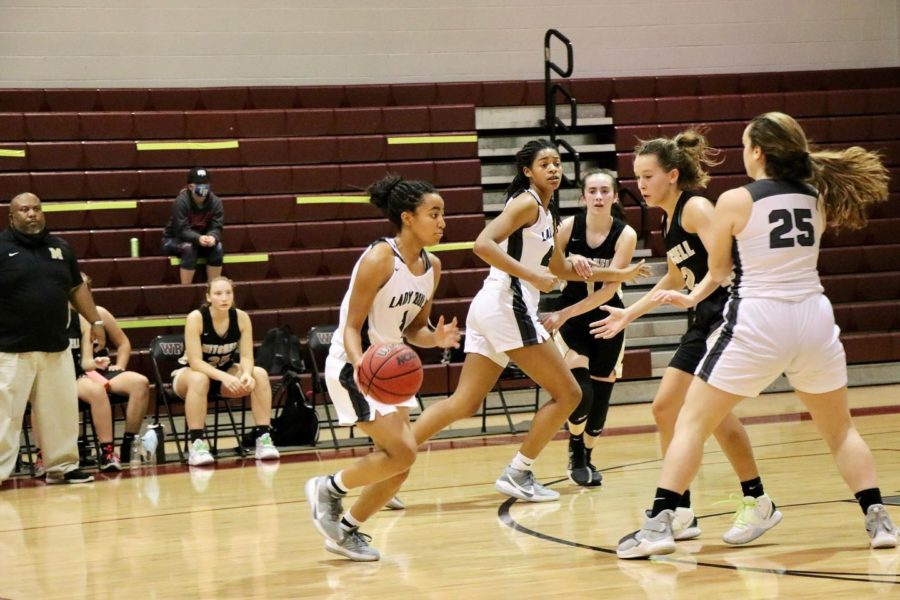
(298, 423)
(280, 352)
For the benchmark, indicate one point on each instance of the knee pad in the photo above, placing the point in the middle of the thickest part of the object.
(583, 378)
(602, 391)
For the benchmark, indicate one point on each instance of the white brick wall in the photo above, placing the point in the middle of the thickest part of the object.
(108, 43)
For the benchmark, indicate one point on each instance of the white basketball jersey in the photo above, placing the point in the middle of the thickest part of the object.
(394, 307)
(533, 247)
(775, 255)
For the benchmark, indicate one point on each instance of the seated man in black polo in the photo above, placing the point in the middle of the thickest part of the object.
(195, 227)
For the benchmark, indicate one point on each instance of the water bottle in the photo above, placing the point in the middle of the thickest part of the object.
(136, 452)
(160, 443)
(135, 248)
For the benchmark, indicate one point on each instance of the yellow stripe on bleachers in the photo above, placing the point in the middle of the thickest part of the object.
(451, 246)
(12, 153)
(230, 259)
(332, 199)
(141, 323)
(51, 207)
(187, 145)
(433, 139)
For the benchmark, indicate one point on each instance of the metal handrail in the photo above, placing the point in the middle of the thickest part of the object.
(551, 89)
(576, 160)
(551, 121)
(555, 122)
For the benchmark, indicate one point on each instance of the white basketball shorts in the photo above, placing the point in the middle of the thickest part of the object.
(762, 338)
(348, 413)
(499, 321)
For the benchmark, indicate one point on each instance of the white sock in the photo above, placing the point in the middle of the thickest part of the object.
(522, 462)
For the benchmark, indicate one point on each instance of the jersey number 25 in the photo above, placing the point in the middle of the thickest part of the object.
(781, 235)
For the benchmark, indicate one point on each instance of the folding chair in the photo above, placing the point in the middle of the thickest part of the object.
(319, 342)
(165, 351)
(28, 448)
(510, 373)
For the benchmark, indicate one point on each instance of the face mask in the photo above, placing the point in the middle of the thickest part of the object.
(201, 190)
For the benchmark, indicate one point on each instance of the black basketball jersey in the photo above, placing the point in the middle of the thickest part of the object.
(220, 351)
(74, 333)
(602, 256)
(685, 249)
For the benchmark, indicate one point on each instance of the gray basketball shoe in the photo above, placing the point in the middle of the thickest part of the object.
(654, 538)
(354, 545)
(326, 508)
(522, 485)
(882, 532)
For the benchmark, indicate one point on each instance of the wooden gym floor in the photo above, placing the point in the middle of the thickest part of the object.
(242, 530)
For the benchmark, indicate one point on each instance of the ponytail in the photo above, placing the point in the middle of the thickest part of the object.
(847, 180)
(689, 152)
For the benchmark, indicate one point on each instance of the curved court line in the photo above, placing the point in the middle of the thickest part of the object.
(506, 518)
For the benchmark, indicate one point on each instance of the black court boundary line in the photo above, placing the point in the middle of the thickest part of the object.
(507, 519)
(503, 513)
(241, 463)
(245, 463)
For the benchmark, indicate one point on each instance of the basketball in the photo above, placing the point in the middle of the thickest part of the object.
(390, 373)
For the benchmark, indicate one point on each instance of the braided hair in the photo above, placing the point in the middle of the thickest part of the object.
(394, 195)
(524, 159)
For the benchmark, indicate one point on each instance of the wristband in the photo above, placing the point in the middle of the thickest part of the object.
(95, 323)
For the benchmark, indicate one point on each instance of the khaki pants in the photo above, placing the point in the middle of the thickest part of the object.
(46, 380)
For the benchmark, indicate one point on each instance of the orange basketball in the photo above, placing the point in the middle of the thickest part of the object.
(390, 373)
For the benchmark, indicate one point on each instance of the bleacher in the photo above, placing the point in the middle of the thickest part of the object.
(107, 164)
(860, 269)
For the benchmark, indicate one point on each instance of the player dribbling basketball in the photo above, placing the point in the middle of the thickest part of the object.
(389, 300)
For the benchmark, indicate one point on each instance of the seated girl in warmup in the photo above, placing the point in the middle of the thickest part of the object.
(218, 349)
(120, 380)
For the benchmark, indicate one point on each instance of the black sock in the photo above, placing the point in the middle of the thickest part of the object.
(127, 443)
(685, 501)
(753, 487)
(195, 434)
(260, 430)
(867, 498)
(576, 439)
(587, 454)
(334, 486)
(347, 525)
(664, 500)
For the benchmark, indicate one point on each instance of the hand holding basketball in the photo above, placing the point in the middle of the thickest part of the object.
(390, 373)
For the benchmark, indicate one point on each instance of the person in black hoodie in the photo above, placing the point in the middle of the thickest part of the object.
(195, 227)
